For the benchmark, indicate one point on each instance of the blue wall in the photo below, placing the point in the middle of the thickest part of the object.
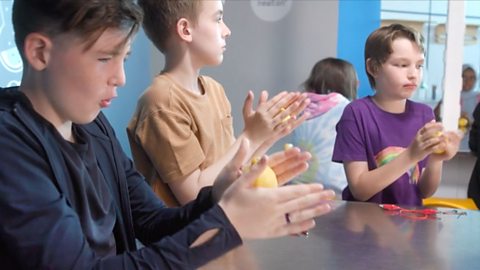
(356, 20)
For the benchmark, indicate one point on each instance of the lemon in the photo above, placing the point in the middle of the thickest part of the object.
(462, 122)
(266, 179)
(439, 151)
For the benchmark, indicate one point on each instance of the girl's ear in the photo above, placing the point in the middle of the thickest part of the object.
(37, 49)
(184, 30)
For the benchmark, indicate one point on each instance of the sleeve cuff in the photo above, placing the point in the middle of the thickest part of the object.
(176, 248)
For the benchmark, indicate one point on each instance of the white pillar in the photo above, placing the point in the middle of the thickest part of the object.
(452, 79)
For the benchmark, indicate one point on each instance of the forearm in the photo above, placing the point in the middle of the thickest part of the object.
(367, 183)
(56, 250)
(150, 213)
(189, 248)
(187, 189)
(431, 177)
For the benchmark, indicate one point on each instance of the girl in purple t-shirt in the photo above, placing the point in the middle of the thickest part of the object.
(391, 147)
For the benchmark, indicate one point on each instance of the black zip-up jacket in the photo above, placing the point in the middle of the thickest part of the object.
(39, 229)
(473, 190)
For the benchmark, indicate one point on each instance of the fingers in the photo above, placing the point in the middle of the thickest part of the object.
(289, 164)
(302, 195)
(284, 176)
(302, 219)
(263, 97)
(280, 156)
(430, 129)
(290, 106)
(300, 104)
(297, 228)
(454, 136)
(231, 171)
(288, 119)
(307, 200)
(430, 137)
(278, 101)
(249, 177)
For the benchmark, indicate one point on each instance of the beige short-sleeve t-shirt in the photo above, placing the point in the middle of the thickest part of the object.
(175, 131)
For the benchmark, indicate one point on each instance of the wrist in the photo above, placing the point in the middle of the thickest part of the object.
(253, 144)
(411, 157)
(227, 211)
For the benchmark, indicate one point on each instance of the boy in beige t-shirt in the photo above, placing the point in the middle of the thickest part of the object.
(181, 133)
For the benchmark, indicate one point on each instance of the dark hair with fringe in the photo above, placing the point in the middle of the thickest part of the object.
(86, 18)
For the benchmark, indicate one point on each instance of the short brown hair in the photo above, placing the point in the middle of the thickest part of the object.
(86, 18)
(333, 75)
(378, 46)
(161, 16)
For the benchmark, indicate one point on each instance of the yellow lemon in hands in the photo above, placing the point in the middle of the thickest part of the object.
(439, 151)
(266, 179)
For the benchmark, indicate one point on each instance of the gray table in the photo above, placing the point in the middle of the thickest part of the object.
(364, 236)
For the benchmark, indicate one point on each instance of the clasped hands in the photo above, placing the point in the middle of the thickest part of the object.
(431, 139)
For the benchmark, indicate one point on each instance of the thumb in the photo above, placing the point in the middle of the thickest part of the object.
(239, 158)
(247, 105)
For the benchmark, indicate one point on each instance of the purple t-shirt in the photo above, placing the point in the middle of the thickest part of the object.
(367, 133)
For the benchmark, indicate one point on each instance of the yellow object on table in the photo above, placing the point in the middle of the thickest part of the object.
(458, 203)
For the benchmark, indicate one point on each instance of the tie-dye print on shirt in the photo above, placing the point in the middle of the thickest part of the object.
(390, 153)
(317, 136)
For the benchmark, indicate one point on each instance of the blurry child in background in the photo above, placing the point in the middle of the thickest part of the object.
(469, 98)
(386, 142)
(188, 115)
(332, 84)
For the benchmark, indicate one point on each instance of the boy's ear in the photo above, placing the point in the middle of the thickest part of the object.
(184, 30)
(371, 69)
(37, 49)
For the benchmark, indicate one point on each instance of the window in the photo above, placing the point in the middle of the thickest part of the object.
(429, 17)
